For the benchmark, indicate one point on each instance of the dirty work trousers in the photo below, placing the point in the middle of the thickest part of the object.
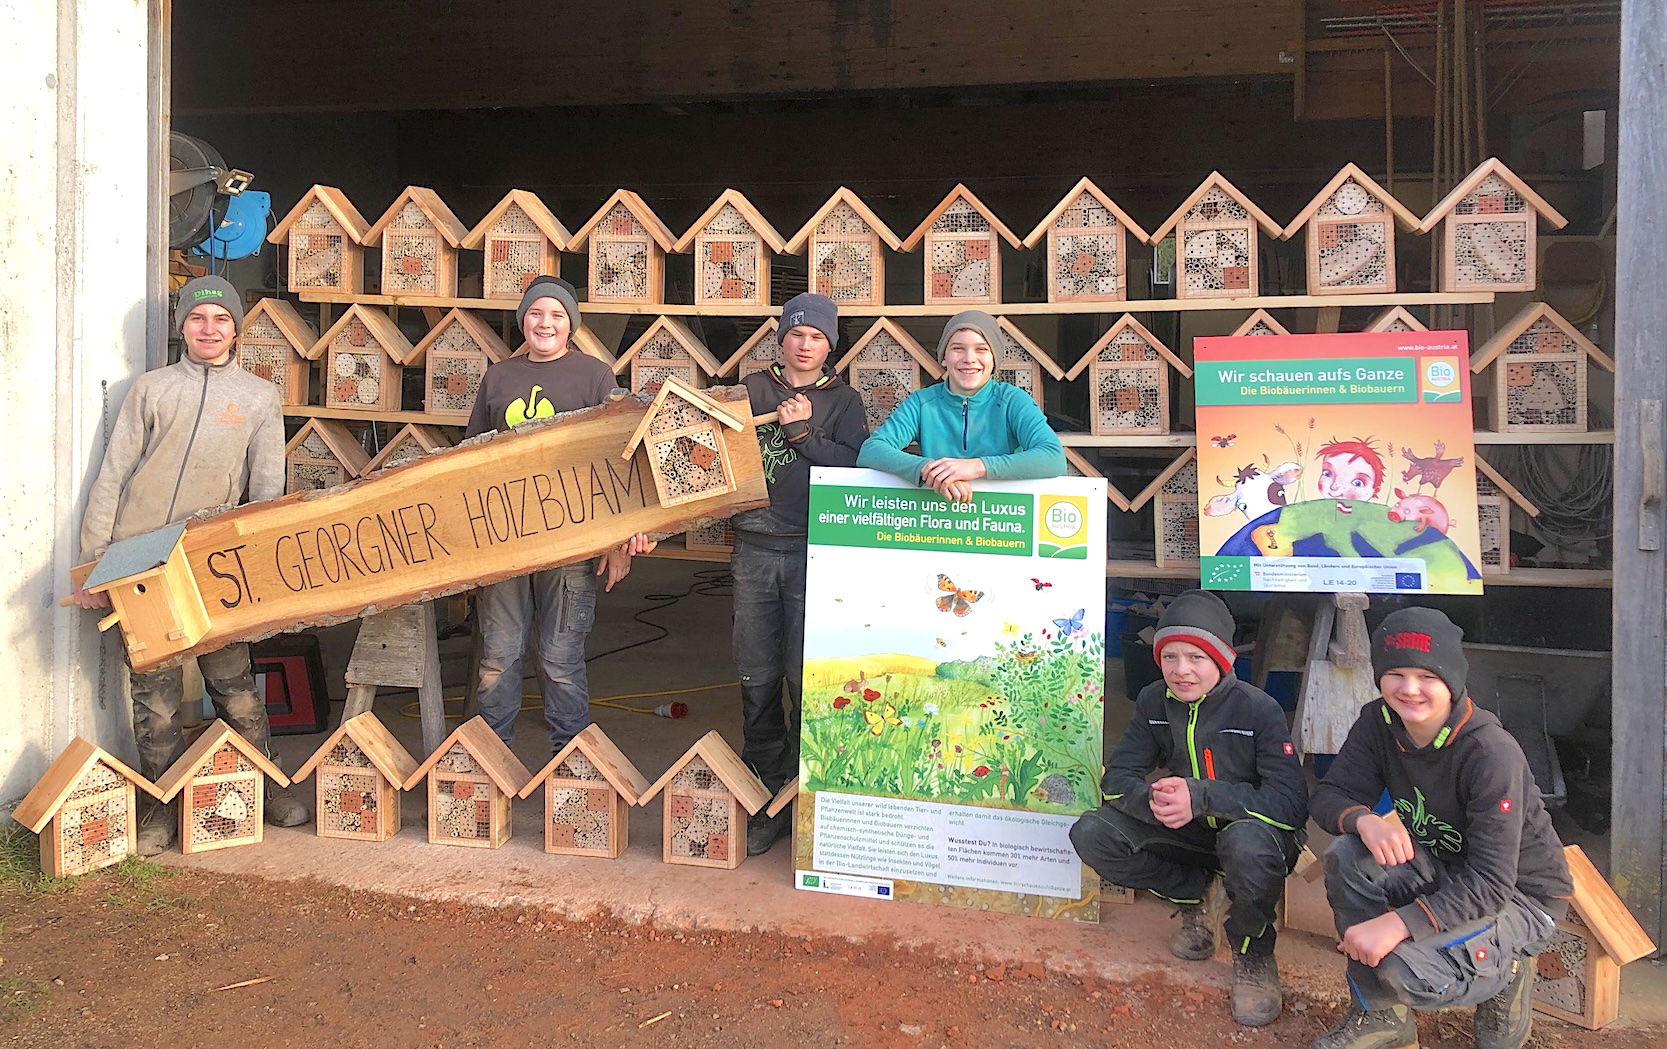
(769, 652)
(559, 606)
(158, 694)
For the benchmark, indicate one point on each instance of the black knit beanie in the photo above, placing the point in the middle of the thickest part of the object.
(216, 291)
(1200, 618)
(547, 287)
(1424, 638)
(818, 311)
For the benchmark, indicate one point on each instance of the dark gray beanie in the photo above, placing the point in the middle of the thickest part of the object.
(818, 311)
(217, 291)
(976, 320)
(547, 287)
(1200, 618)
(1423, 638)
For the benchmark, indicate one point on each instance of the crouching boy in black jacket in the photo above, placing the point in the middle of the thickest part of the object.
(1446, 905)
(1234, 802)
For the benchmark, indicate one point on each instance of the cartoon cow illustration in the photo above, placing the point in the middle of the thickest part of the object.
(1256, 491)
(1421, 511)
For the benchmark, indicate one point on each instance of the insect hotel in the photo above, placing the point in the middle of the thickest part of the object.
(326, 235)
(1022, 363)
(1077, 465)
(586, 342)
(1174, 495)
(589, 789)
(732, 243)
(419, 237)
(1128, 380)
(761, 350)
(1216, 241)
(1539, 363)
(1087, 238)
(274, 343)
(472, 778)
(1351, 235)
(628, 245)
(962, 253)
(1260, 323)
(84, 810)
(361, 769)
(884, 366)
(667, 350)
(223, 779)
(363, 352)
(413, 441)
(709, 794)
(1395, 318)
(683, 433)
(1494, 497)
(1579, 975)
(1489, 226)
(520, 239)
(847, 257)
(152, 592)
(322, 454)
(455, 355)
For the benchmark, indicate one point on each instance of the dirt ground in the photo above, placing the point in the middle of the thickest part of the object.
(140, 957)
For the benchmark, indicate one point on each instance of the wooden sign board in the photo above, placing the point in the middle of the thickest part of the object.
(549, 493)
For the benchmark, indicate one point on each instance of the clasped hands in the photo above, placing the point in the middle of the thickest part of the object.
(950, 477)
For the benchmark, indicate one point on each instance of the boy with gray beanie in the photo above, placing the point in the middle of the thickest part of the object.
(200, 434)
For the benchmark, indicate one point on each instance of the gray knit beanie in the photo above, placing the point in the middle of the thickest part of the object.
(975, 320)
(217, 291)
(547, 287)
(817, 311)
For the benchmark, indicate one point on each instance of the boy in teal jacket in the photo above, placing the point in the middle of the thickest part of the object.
(969, 426)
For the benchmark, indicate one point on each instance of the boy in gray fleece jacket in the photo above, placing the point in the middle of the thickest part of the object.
(196, 435)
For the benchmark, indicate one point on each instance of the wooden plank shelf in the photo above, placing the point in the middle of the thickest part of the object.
(1131, 440)
(1242, 305)
(314, 411)
(1549, 437)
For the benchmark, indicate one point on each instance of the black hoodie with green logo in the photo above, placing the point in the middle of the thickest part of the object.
(1469, 797)
(832, 436)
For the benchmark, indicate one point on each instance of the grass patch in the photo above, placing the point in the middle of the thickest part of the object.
(19, 997)
(20, 866)
(142, 884)
(133, 882)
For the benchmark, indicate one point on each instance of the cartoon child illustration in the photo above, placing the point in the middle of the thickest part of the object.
(1350, 470)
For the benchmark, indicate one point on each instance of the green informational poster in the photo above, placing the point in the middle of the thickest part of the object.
(954, 665)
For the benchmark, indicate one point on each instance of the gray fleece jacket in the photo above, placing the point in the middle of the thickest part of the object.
(189, 437)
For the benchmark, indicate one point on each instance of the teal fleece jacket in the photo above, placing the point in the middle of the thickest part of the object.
(999, 424)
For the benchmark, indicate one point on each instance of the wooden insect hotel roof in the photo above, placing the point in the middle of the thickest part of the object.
(1389, 318)
(1530, 315)
(335, 202)
(501, 765)
(1151, 490)
(386, 333)
(1075, 460)
(1216, 180)
(1492, 166)
(888, 326)
(672, 387)
(638, 207)
(586, 342)
(736, 199)
(296, 331)
(1263, 318)
(960, 192)
(373, 739)
(212, 739)
(337, 438)
(533, 208)
(1617, 931)
(854, 202)
(50, 792)
(432, 207)
(428, 438)
(685, 338)
(1084, 185)
(1027, 344)
(767, 330)
(722, 760)
(1403, 216)
(609, 760)
(784, 797)
(1510, 490)
(482, 333)
(1127, 322)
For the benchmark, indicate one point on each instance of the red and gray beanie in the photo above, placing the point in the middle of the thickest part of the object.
(1200, 618)
(216, 291)
(1423, 638)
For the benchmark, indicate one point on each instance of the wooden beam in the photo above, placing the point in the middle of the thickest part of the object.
(1638, 858)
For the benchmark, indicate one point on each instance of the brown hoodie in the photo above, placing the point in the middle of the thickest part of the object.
(189, 437)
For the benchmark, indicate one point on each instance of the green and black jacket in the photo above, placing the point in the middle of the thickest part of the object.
(1232, 748)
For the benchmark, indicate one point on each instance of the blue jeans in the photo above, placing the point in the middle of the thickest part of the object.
(769, 654)
(561, 604)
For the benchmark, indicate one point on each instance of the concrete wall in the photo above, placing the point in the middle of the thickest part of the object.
(75, 210)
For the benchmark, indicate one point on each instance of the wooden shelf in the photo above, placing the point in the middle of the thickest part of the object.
(1011, 309)
(314, 411)
(1549, 437)
(1133, 440)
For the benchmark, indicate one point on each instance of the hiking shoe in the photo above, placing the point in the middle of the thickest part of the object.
(1391, 1028)
(763, 831)
(157, 831)
(284, 811)
(1505, 1020)
(1193, 940)
(1256, 995)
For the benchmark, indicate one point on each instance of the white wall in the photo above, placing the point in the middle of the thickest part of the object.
(75, 192)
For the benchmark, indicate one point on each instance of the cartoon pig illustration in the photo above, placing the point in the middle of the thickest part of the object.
(1422, 511)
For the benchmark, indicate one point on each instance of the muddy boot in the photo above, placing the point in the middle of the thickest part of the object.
(1391, 1028)
(1256, 995)
(1505, 1020)
(1193, 940)
(764, 831)
(158, 826)
(284, 811)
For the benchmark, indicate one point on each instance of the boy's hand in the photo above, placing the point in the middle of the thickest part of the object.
(86, 600)
(796, 408)
(1171, 802)
(639, 544)
(949, 477)
(1388, 842)
(1371, 941)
